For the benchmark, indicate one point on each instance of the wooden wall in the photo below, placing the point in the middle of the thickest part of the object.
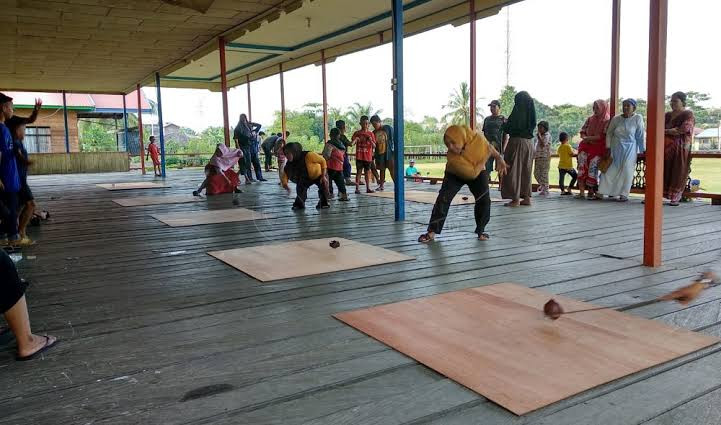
(74, 163)
(54, 119)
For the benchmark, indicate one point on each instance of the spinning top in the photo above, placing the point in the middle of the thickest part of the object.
(334, 244)
(465, 198)
(236, 202)
(552, 309)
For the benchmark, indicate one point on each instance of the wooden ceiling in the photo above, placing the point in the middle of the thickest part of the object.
(110, 45)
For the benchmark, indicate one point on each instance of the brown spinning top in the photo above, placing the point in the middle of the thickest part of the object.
(552, 309)
(334, 244)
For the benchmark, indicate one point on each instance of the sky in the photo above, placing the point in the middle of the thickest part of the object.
(559, 53)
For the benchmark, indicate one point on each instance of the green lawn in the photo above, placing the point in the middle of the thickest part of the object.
(708, 170)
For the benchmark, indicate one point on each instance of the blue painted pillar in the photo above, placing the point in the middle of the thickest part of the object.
(160, 126)
(397, 85)
(125, 123)
(67, 129)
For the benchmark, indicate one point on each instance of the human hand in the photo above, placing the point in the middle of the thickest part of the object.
(38, 103)
(501, 167)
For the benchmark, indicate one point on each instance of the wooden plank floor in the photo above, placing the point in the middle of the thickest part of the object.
(154, 331)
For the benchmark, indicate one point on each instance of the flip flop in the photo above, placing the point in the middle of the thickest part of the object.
(484, 237)
(425, 238)
(44, 348)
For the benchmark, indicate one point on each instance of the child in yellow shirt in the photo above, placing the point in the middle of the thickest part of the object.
(565, 164)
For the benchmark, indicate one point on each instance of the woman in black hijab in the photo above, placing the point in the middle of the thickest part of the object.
(518, 154)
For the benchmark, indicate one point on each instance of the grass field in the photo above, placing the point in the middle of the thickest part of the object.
(708, 170)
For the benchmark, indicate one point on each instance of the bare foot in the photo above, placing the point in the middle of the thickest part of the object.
(38, 343)
(512, 204)
(526, 202)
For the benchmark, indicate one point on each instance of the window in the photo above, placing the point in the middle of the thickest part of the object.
(37, 139)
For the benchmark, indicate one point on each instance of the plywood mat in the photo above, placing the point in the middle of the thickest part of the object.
(496, 341)
(426, 197)
(305, 258)
(132, 185)
(194, 218)
(156, 200)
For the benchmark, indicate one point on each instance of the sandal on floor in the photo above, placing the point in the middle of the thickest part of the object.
(512, 204)
(484, 237)
(579, 196)
(525, 203)
(48, 345)
(673, 204)
(425, 238)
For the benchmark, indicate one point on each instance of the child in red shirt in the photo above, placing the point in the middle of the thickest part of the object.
(154, 153)
(334, 153)
(365, 145)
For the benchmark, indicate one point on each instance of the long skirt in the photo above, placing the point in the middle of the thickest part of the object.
(519, 158)
(617, 180)
(540, 170)
(676, 167)
(588, 169)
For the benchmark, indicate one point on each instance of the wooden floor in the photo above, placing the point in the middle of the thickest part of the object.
(154, 331)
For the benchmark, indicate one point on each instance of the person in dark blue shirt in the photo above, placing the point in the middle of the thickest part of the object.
(9, 176)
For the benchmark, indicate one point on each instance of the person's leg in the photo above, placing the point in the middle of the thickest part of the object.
(582, 162)
(561, 179)
(281, 166)
(267, 159)
(391, 165)
(322, 196)
(200, 188)
(25, 216)
(359, 169)
(347, 169)
(449, 188)
(10, 224)
(368, 173)
(574, 177)
(256, 165)
(338, 177)
(301, 192)
(482, 210)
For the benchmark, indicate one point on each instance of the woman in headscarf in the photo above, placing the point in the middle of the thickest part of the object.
(516, 184)
(679, 126)
(467, 155)
(219, 175)
(305, 169)
(624, 139)
(591, 149)
(244, 136)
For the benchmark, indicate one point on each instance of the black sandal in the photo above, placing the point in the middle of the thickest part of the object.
(485, 236)
(425, 238)
(44, 348)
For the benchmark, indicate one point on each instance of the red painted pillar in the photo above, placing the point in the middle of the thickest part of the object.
(282, 100)
(247, 84)
(615, 55)
(472, 88)
(140, 129)
(653, 209)
(325, 95)
(224, 90)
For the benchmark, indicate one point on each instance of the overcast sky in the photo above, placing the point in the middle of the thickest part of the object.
(560, 53)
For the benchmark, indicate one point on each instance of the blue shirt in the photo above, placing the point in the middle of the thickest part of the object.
(8, 166)
(22, 168)
(411, 171)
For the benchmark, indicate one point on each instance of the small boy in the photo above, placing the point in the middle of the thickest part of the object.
(154, 153)
(565, 164)
(347, 169)
(365, 143)
(384, 150)
(334, 153)
(9, 176)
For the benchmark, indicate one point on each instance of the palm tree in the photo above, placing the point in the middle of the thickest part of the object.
(459, 106)
(357, 110)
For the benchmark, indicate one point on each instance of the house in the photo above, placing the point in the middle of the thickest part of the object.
(47, 133)
(708, 139)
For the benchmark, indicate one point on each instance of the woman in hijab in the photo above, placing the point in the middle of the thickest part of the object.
(305, 169)
(518, 154)
(221, 164)
(679, 126)
(591, 149)
(468, 153)
(244, 136)
(624, 139)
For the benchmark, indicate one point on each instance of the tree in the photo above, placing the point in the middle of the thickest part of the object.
(459, 107)
(507, 99)
(356, 111)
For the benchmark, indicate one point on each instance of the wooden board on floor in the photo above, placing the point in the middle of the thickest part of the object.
(305, 258)
(132, 185)
(195, 218)
(156, 200)
(496, 341)
(426, 197)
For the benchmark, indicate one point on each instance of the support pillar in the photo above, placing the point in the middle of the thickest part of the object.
(653, 208)
(67, 129)
(140, 129)
(325, 96)
(125, 124)
(161, 131)
(397, 86)
(615, 55)
(472, 88)
(224, 90)
(282, 101)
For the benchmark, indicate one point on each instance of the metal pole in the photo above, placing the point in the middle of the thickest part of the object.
(67, 130)
(653, 209)
(397, 85)
(615, 54)
(282, 100)
(472, 109)
(247, 83)
(140, 130)
(224, 90)
(125, 124)
(160, 126)
(325, 95)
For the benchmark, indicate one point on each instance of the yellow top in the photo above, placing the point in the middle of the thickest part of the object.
(314, 163)
(472, 160)
(565, 154)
